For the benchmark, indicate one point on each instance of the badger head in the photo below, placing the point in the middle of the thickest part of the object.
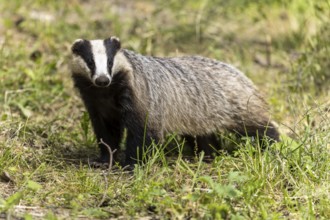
(94, 59)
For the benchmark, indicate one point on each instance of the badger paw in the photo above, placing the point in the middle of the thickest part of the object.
(98, 164)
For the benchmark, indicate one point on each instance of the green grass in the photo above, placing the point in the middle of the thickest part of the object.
(46, 139)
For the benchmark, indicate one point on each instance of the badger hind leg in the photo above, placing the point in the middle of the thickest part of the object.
(263, 131)
(208, 144)
(272, 133)
(205, 143)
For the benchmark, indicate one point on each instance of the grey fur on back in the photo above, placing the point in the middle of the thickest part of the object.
(194, 95)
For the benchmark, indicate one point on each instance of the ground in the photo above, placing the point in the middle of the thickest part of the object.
(46, 141)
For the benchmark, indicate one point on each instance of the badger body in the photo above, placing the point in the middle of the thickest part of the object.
(191, 96)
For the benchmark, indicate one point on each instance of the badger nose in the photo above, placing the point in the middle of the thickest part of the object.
(102, 81)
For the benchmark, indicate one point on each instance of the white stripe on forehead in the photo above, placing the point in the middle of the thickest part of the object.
(100, 58)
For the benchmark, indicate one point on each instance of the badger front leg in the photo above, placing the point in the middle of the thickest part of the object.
(139, 138)
(106, 131)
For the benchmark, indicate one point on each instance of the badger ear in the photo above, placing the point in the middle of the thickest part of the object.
(77, 46)
(114, 43)
(78, 40)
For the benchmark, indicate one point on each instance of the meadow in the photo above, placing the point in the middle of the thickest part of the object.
(46, 140)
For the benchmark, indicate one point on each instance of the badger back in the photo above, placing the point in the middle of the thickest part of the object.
(195, 94)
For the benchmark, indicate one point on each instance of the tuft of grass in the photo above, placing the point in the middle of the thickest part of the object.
(46, 140)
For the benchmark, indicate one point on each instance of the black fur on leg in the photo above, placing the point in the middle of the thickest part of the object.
(208, 144)
(110, 135)
(271, 132)
(112, 139)
(263, 132)
(205, 143)
(139, 138)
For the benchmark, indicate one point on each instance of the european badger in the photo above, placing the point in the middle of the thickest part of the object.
(150, 97)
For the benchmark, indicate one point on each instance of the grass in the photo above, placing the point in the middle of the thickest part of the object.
(46, 139)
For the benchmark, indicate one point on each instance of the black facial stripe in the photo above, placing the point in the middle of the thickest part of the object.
(83, 49)
(112, 46)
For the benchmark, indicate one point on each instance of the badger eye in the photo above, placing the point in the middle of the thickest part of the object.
(110, 64)
(90, 62)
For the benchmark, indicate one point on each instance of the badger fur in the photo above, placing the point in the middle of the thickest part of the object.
(192, 96)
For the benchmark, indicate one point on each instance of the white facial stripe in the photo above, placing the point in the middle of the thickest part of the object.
(100, 58)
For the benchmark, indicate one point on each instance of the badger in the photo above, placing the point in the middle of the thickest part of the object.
(150, 97)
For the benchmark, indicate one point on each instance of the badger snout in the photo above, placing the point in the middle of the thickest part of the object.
(102, 81)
